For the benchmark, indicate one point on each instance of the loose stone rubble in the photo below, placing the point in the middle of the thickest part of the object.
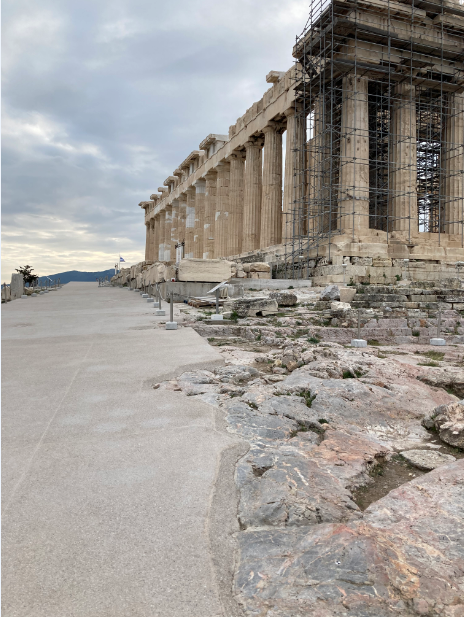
(448, 420)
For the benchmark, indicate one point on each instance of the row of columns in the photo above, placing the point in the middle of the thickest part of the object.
(236, 207)
(352, 208)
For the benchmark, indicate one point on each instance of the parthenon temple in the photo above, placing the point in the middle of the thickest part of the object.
(372, 117)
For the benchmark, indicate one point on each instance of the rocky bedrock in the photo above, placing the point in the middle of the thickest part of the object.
(321, 421)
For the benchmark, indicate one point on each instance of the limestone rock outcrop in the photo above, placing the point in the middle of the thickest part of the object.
(426, 460)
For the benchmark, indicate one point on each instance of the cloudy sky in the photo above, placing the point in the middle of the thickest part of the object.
(102, 99)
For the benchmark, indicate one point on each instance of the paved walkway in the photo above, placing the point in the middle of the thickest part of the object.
(112, 490)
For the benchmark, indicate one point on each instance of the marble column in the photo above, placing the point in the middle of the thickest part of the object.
(167, 233)
(271, 209)
(161, 236)
(174, 228)
(236, 196)
(353, 197)
(182, 217)
(221, 218)
(200, 188)
(147, 240)
(403, 215)
(292, 215)
(322, 183)
(154, 252)
(453, 185)
(151, 240)
(210, 213)
(189, 222)
(253, 192)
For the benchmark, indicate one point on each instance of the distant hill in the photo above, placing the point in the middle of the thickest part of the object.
(75, 275)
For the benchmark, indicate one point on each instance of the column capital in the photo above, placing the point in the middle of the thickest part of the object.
(252, 143)
(290, 112)
(235, 155)
(270, 126)
(210, 175)
(200, 185)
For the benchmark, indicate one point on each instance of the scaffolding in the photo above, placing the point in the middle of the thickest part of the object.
(379, 128)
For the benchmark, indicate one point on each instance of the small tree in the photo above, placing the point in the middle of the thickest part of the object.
(28, 277)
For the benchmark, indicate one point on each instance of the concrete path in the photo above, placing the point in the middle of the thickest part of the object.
(118, 499)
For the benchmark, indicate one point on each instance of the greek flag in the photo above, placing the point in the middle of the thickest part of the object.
(121, 258)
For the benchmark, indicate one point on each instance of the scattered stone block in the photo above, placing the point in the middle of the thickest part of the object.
(427, 460)
(284, 298)
(330, 293)
(24, 296)
(347, 294)
(251, 307)
(204, 270)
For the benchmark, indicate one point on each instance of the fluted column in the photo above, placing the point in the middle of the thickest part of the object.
(252, 201)
(210, 213)
(403, 165)
(236, 196)
(271, 209)
(353, 199)
(292, 215)
(454, 165)
(322, 171)
(200, 187)
(167, 233)
(174, 228)
(190, 222)
(154, 252)
(162, 226)
(182, 217)
(221, 218)
(147, 241)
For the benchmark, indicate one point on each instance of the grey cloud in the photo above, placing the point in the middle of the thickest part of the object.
(103, 99)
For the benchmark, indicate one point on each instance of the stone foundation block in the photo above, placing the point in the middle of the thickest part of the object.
(204, 270)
